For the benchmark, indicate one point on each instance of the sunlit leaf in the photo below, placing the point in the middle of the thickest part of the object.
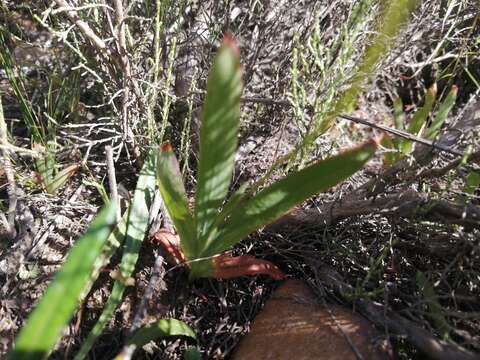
(420, 117)
(136, 227)
(47, 173)
(218, 136)
(275, 200)
(472, 182)
(45, 324)
(57, 181)
(398, 114)
(154, 331)
(164, 327)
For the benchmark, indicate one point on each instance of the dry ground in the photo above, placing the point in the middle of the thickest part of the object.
(376, 247)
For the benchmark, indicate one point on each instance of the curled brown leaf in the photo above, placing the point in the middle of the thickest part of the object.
(171, 243)
(226, 266)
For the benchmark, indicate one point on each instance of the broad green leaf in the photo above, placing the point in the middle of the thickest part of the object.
(218, 136)
(161, 328)
(472, 182)
(45, 324)
(420, 117)
(442, 113)
(434, 307)
(138, 214)
(203, 267)
(45, 165)
(232, 203)
(175, 198)
(137, 224)
(273, 201)
(164, 327)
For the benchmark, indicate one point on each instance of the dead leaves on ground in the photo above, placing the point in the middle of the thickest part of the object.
(224, 266)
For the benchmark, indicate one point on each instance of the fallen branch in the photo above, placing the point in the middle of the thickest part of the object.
(408, 204)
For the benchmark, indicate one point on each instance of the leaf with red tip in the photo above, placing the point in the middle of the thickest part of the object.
(272, 202)
(175, 198)
(218, 138)
(171, 243)
(226, 267)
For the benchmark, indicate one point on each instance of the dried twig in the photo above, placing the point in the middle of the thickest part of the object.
(406, 204)
(403, 134)
(12, 187)
(158, 273)
(96, 41)
(396, 132)
(112, 180)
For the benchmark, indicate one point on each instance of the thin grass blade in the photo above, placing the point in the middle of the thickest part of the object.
(16, 80)
(218, 136)
(55, 309)
(398, 114)
(136, 227)
(273, 201)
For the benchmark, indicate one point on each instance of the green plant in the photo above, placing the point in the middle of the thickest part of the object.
(418, 124)
(137, 218)
(208, 231)
(328, 75)
(74, 280)
(472, 182)
(71, 284)
(160, 328)
(48, 175)
(434, 307)
(62, 96)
